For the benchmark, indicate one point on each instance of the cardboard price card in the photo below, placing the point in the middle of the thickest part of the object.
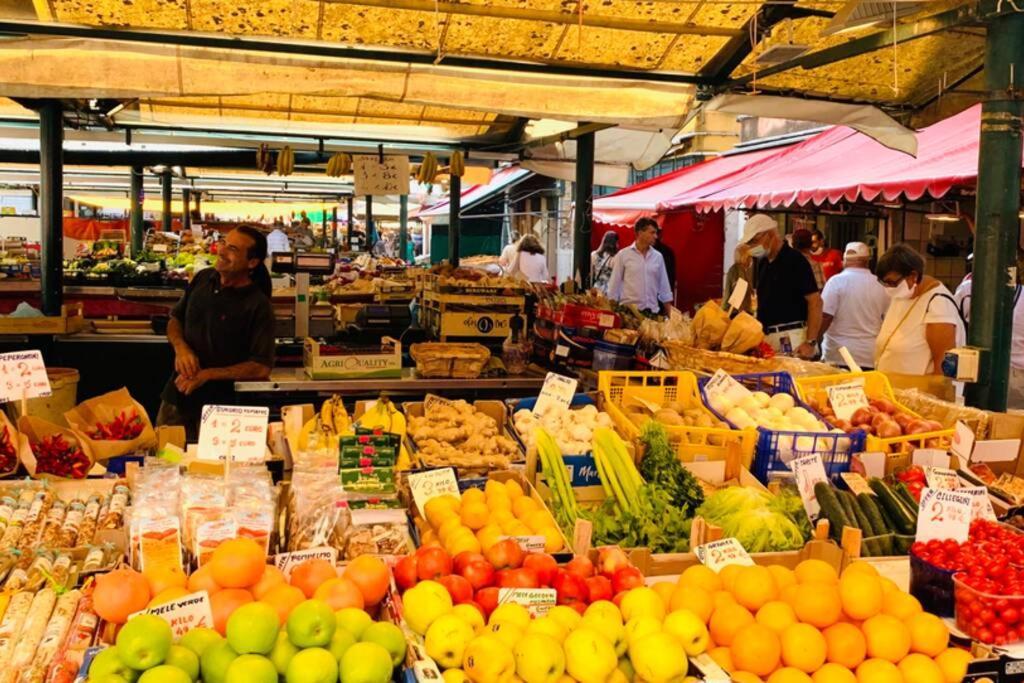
(185, 613)
(238, 431)
(856, 483)
(529, 544)
(942, 478)
(943, 514)
(537, 601)
(433, 483)
(287, 561)
(720, 553)
(23, 376)
(722, 384)
(557, 391)
(846, 399)
(981, 504)
(808, 471)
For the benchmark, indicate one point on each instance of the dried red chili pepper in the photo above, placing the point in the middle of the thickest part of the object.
(55, 455)
(124, 427)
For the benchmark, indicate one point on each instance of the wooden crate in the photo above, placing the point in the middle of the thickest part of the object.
(69, 321)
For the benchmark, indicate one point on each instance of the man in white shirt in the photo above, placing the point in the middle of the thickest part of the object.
(638, 272)
(854, 304)
(277, 241)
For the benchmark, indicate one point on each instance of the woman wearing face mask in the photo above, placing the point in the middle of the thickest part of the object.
(922, 322)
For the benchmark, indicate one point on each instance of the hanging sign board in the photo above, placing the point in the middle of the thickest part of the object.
(374, 176)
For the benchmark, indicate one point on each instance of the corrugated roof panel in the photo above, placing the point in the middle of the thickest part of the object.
(724, 15)
(151, 13)
(357, 25)
(610, 46)
(293, 18)
(691, 53)
(504, 37)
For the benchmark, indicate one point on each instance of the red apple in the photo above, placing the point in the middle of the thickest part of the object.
(406, 572)
(599, 588)
(487, 598)
(580, 607)
(458, 587)
(618, 598)
(543, 564)
(432, 563)
(474, 603)
(480, 574)
(519, 578)
(611, 559)
(581, 567)
(501, 578)
(626, 578)
(570, 588)
(463, 559)
(505, 554)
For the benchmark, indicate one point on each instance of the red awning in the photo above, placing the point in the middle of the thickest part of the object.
(842, 164)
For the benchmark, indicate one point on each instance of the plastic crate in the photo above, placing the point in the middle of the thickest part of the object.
(876, 385)
(691, 443)
(775, 449)
(582, 470)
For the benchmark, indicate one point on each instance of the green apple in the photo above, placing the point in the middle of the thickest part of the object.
(388, 636)
(200, 638)
(164, 674)
(282, 653)
(423, 603)
(311, 624)
(183, 658)
(107, 663)
(313, 665)
(366, 663)
(341, 641)
(215, 660)
(539, 659)
(252, 628)
(353, 620)
(251, 669)
(108, 678)
(143, 642)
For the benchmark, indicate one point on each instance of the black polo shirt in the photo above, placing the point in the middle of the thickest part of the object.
(782, 286)
(223, 326)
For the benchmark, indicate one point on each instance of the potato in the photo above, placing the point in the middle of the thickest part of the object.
(669, 417)
(678, 406)
(639, 419)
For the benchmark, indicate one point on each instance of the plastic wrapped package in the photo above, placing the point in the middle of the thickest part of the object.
(377, 532)
(318, 514)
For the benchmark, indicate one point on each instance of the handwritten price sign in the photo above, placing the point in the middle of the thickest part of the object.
(718, 554)
(942, 478)
(537, 601)
(23, 375)
(557, 390)
(847, 398)
(240, 431)
(944, 514)
(808, 471)
(427, 485)
(374, 176)
(981, 504)
(185, 613)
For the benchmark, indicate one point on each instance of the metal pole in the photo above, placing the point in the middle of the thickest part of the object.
(334, 227)
(138, 225)
(998, 205)
(323, 226)
(371, 231)
(351, 218)
(403, 226)
(198, 197)
(186, 210)
(584, 210)
(51, 205)
(165, 189)
(454, 220)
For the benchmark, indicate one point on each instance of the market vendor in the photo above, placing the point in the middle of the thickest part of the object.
(222, 330)
(788, 300)
(639, 276)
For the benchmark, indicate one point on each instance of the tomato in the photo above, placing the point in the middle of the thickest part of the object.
(1009, 615)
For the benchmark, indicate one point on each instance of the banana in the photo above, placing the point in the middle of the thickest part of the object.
(456, 165)
(331, 164)
(342, 423)
(327, 417)
(285, 161)
(340, 164)
(428, 169)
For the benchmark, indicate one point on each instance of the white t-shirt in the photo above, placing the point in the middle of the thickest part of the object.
(534, 267)
(902, 346)
(857, 303)
(963, 297)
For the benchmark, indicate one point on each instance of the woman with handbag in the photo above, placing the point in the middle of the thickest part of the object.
(601, 261)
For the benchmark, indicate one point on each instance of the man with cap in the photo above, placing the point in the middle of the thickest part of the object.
(853, 306)
(788, 300)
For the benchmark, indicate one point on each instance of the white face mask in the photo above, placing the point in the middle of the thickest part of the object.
(901, 291)
(758, 251)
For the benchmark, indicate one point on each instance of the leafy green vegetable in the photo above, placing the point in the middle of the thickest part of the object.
(662, 468)
(653, 522)
(759, 521)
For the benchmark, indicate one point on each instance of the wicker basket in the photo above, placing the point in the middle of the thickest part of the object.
(458, 361)
(684, 357)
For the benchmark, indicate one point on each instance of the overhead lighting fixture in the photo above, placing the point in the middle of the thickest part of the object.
(781, 51)
(943, 217)
(858, 14)
(944, 212)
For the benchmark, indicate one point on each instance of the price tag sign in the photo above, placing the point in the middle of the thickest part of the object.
(981, 504)
(159, 248)
(930, 457)
(374, 175)
(433, 483)
(723, 384)
(184, 614)
(433, 401)
(846, 399)
(23, 375)
(808, 471)
(558, 390)
(720, 553)
(943, 514)
(238, 430)
(963, 441)
(537, 601)
(856, 483)
(529, 544)
(739, 293)
(287, 561)
(942, 478)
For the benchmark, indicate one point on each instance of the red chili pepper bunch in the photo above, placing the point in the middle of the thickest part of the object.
(8, 451)
(915, 479)
(763, 350)
(125, 427)
(55, 455)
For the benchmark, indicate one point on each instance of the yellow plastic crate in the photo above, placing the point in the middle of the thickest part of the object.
(876, 385)
(691, 443)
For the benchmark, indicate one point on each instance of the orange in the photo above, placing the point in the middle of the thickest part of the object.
(887, 637)
(473, 495)
(953, 661)
(879, 671)
(929, 635)
(756, 649)
(901, 605)
(818, 604)
(119, 593)
(475, 514)
(538, 519)
(888, 586)
(719, 598)
(699, 575)
(803, 648)
(833, 673)
(919, 668)
(815, 571)
(514, 489)
(161, 578)
(371, 577)
(340, 593)
(783, 576)
(789, 675)
(272, 576)
(308, 576)
(745, 677)
(284, 599)
(728, 575)
(776, 615)
(693, 598)
(448, 527)
(202, 580)
(439, 508)
(665, 591)
(723, 658)
(754, 587)
(238, 563)
(168, 594)
(788, 594)
(861, 595)
(224, 602)
(846, 645)
(860, 567)
(726, 621)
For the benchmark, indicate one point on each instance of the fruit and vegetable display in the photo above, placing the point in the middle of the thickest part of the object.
(882, 418)
(36, 520)
(572, 429)
(677, 414)
(472, 278)
(887, 517)
(41, 633)
(778, 412)
(760, 521)
(456, 433)
(61, 456)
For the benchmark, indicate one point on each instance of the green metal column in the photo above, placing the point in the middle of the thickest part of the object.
(371, 230)
(403, 226)
(998, 223)
(351, 223)
(454, 220)
(165, 189)
(583, 212)
(186, 210)
(138, 225)
(51, 205)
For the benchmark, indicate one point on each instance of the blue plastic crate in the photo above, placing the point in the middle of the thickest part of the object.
(775, 449)
(581, 466)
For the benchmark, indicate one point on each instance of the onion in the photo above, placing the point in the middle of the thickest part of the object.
(861, 416)
(889, 429)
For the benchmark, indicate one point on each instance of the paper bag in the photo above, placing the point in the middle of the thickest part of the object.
(33, 431)
(10, 442)
(104, 410)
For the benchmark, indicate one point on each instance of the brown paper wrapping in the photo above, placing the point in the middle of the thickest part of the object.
(103, 409)
(33, 429)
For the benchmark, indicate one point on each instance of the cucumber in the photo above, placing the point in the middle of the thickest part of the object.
(902, 520)
(849, 507)
(866, 502)
(862, 519)
(831, 509)
(911, 505)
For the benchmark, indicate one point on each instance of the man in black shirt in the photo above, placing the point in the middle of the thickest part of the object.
(788, 302)
(222, 330)
(670, 261)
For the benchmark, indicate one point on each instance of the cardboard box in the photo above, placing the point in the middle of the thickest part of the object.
(322, 361)
(1007, 426)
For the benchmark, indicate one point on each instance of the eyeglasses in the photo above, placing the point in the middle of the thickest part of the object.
(890, 283)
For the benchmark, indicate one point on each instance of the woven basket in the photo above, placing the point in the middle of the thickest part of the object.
(458, 361)
(684, 357)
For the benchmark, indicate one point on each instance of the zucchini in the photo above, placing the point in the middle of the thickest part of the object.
(862, 519)
(902, 521)
(849, 508)
(831, 509)
(867, 504)
(911, 505)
